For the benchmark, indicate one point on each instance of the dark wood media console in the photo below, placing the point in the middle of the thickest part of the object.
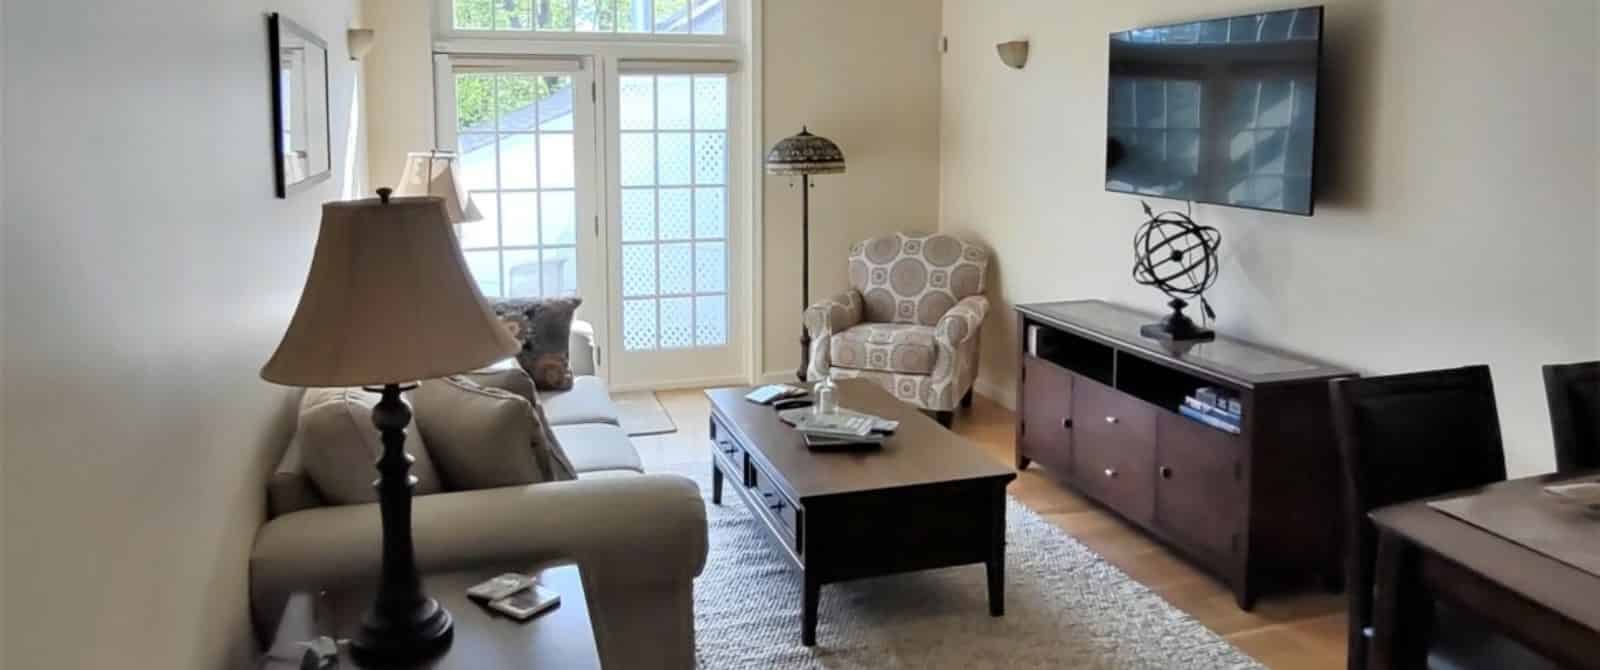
(1098, 408)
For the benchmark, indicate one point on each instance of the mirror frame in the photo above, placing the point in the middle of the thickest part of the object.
(276, 27)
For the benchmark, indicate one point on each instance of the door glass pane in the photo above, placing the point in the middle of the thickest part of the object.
(560, 219)
(639, 324)
(672, 94)
(638, 215)
(519, 214)
(674, 214)
(556, 162)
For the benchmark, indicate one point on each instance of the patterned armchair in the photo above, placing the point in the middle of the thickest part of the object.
(910, 321)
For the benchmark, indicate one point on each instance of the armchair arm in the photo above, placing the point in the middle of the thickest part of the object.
(822, 320)
(962, 322)
(639, 534)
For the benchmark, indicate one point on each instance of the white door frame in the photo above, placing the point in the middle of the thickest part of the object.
(747, 151)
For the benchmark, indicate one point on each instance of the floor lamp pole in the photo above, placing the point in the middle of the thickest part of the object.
(805, 273)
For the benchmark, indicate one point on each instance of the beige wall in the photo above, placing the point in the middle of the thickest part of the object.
(399, 77)
(866, 75)
(1457, 224)
(148, 273)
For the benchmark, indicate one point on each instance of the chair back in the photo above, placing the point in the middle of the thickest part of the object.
(1574, 394)
(914, 278)
(1401, 438)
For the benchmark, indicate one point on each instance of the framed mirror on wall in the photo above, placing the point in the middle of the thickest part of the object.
(302, 141)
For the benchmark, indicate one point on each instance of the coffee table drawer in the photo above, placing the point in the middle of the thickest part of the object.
(774, 505)
(728, 453)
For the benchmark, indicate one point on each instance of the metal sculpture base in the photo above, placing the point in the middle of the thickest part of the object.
(1177, 327)
(404, 626)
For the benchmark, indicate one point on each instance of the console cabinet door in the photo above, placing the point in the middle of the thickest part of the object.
(1114, 445)
(1199, 485)
(1047, 414)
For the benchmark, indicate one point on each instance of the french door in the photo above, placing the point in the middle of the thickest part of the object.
(607, 179)
(671, 201)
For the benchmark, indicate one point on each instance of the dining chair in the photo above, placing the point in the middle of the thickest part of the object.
(1574, 394)
(1401, 438)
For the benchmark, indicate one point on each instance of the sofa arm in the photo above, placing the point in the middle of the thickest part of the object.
(627, 534)
(581, 350)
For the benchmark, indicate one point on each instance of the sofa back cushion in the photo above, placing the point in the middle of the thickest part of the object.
(338, 445)
(915, 279)
(486, 437)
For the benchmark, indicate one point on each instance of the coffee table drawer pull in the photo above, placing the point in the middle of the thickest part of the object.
(1111, 419)
(1111, 473)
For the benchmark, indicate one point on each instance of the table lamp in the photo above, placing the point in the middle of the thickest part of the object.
(436, 173)
(389, 301)
(805, 155)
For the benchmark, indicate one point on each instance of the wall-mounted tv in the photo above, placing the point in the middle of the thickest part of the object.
(1221, 111)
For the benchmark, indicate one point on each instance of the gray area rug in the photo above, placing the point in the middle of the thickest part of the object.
(1065, 608)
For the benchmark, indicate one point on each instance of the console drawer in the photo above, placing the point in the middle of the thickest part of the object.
(773, 504)
(1114, 448)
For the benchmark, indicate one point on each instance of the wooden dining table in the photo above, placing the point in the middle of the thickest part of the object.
(1517, 586)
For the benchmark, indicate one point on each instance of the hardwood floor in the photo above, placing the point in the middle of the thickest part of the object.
(1294, 632)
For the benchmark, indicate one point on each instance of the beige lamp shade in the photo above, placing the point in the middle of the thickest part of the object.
(389, 300)
(435, 173)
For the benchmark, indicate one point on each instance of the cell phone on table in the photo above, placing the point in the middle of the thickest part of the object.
(526, 604)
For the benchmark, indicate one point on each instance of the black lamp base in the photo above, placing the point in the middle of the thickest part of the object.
(417, 636)
(1177, 327)
(404, 627)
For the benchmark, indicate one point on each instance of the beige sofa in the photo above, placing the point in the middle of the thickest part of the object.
(640, 540)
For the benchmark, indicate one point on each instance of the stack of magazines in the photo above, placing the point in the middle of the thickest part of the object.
(839, 429)
(1214, 407)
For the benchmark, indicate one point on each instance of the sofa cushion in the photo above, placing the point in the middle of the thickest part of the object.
(588, 401)
(608, 474)
(338, 444)
(597, 446)
(885, 347)
(485, 437)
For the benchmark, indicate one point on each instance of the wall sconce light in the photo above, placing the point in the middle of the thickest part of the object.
(359, 41)
(1013, 54)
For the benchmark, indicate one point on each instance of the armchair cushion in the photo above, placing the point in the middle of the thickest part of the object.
(886, 347)
(825, 318)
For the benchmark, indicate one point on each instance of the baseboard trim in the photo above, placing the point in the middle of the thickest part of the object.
(1006, 396)
(777, 377)
(677, 384)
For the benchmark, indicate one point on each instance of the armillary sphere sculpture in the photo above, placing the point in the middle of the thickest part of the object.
(1178, 257)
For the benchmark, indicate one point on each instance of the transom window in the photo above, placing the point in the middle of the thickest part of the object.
(682, 17)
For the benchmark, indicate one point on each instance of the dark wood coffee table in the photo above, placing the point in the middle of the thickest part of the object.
(927, 499)
(562, 637)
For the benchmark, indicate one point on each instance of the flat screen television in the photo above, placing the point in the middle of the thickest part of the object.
(1221, 111)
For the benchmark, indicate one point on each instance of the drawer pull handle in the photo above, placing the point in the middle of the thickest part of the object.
(1066, 424)
(1166, 472)
(1111, 473)
(1111, 419)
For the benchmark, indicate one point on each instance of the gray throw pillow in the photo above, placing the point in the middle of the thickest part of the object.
(338, 445)
(484, 437)
(545, 329)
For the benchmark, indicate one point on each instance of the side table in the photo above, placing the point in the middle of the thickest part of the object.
(561, 637)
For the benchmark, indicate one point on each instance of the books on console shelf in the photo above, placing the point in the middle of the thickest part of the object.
(1196, 405)
(1212, 420)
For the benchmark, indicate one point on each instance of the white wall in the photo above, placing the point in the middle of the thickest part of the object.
(148, 273)
(1457, 224)
(399, 85)
(865, 75)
